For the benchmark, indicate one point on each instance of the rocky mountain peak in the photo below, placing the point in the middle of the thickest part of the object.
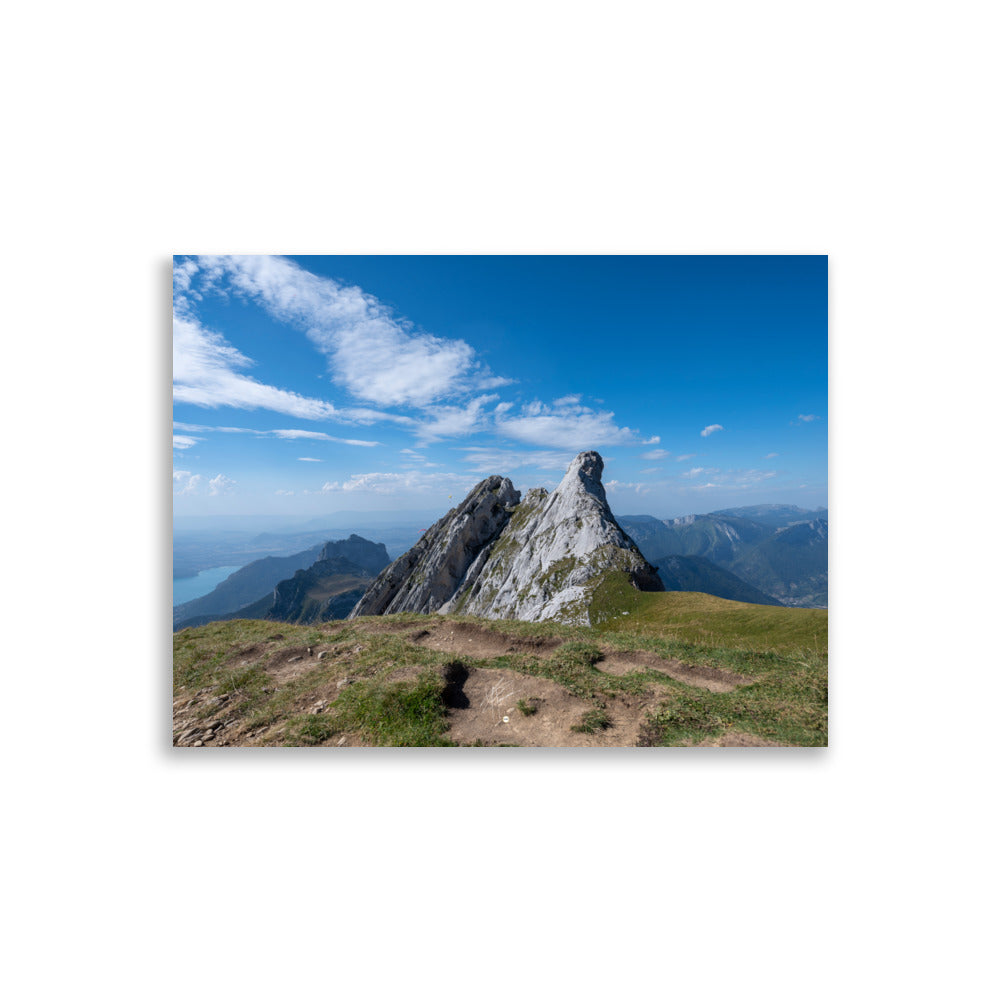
(497, 556)
(588, 467)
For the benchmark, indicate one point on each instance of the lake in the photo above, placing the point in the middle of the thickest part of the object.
(188, 588)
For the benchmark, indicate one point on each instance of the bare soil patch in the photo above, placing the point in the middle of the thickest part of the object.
(479, 643)
(287, 664)
(491, 716)
(710, 678)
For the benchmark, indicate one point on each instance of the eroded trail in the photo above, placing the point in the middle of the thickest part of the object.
(483, 643)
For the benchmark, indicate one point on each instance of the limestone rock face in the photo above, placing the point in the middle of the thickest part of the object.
(554, 552)
(497, 556)
(426, 577)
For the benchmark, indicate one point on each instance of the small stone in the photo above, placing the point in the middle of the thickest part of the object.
(343, 683)
(295, 659)
(198, 743)
(341, 741)
(323, 652)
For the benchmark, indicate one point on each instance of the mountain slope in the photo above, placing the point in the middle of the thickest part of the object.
(792, 564)
(426, 577)
(331, 587)
(698, 574)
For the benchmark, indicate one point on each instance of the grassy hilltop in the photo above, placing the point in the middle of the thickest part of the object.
(655, 669)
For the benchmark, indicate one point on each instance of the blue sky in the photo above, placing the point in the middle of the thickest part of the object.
(311, 385)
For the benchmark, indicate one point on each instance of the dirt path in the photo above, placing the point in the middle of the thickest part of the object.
(481, 643)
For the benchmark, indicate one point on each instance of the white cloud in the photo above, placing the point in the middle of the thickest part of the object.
(711, 429)
(747, 476)
(206, 374)
(284, 493)
(572, 400)
(447, 485)
(310, 460)
(373, 354)
(568, 425)
(182, 441)
(453, 421)
(655, 439)
(738, 478)
(291, 434)
(220, 485)
(773, 454)
(655, 455)
(685, 458)
(294, 435)
(502, 461)
(646, 472)
(188, 482)
(807, 418)
(614, 486)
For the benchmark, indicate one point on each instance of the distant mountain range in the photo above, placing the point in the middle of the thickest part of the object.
(766, 554)
(780, 550)
(318, 584)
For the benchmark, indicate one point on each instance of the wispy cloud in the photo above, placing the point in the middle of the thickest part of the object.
(655, 455)
(614, 486)
(220, 485)
(711, 429)
(182, 441)
(295, 435)
(772, 454)
(447, 485)
(208, 372)
(186, 482)
(290, 434)
(732, 478)
(310, 460)
(373, 354)
(453, 421)
(655, 439)
(686, 458)
(502, 461)
(562, 425)
(807, 418)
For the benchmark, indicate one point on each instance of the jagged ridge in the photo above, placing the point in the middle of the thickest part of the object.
(497, 556)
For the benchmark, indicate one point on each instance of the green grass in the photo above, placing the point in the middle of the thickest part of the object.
(782, 651)
(401, 714)
(706, 620)
(594, 721)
